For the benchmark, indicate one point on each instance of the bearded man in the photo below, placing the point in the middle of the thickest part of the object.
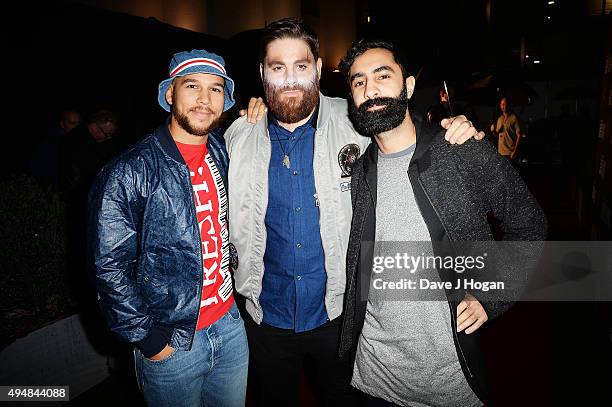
(415, 194)
(290, 211)
(160, 247)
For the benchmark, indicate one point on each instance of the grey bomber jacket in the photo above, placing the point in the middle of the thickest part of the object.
(337, 145)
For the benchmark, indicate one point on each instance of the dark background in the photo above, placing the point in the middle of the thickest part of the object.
(63, 54)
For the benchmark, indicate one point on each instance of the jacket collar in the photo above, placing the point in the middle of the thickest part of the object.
(163, 136)
(425, 136)
(369, 166)
(216, 142)
(325, 111)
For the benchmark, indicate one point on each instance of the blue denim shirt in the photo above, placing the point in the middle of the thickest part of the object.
(294, 281)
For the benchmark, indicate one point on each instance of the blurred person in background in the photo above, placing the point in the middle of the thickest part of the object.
(507, 129)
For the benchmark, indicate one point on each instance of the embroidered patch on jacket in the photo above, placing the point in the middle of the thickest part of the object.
(347, 157)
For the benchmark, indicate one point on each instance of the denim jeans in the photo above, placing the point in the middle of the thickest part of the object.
(212, 373)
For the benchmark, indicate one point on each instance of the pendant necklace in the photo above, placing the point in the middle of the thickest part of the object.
(286, 160)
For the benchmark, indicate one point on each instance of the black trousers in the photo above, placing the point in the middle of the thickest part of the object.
(277, 357)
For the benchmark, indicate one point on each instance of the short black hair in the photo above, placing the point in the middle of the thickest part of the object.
(361, 46)
(289, 28)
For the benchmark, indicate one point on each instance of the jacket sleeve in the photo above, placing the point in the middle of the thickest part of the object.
(115, 211)
(521, 221)
(520, 216)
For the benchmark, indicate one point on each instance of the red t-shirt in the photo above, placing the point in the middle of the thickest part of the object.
(210, 200)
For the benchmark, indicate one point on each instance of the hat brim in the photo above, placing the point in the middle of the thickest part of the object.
(228, 100)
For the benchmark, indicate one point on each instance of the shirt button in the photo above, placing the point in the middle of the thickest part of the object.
(298, 209)
(295, 172)
(292, 138)
(299, 245)
(299, 277)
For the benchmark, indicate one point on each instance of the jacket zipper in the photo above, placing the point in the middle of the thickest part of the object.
(201, 271)
(454, 322)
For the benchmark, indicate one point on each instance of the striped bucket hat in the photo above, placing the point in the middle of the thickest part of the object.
(196, 61)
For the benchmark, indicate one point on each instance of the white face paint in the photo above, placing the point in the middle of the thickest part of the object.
(289, 62)
(291, 79)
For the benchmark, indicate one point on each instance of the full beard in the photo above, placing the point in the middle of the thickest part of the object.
(292, 110)
(379, 121)
(183, 121)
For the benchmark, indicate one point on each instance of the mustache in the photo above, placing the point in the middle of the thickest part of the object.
(302, 85)
(290, 88)
(375, 102)
(285, 88)
(202, 110)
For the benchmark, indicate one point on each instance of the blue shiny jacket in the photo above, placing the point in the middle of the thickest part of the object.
(145, 244)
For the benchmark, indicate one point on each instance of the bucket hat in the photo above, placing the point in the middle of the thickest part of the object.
(196, 61)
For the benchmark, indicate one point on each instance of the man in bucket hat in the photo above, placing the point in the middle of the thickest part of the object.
(160, 248)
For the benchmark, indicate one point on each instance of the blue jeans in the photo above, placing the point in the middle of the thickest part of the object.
(212, 373)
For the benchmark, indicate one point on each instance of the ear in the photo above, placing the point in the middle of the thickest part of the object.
(319, 67)
(410, 82)
(261, 71)
(169, 94)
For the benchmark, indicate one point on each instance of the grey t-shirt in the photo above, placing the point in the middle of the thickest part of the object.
(406, 354)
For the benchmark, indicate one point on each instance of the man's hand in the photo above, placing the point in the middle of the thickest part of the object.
(459, 129)
(165, 353)
(470, 314)
(256, 110)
